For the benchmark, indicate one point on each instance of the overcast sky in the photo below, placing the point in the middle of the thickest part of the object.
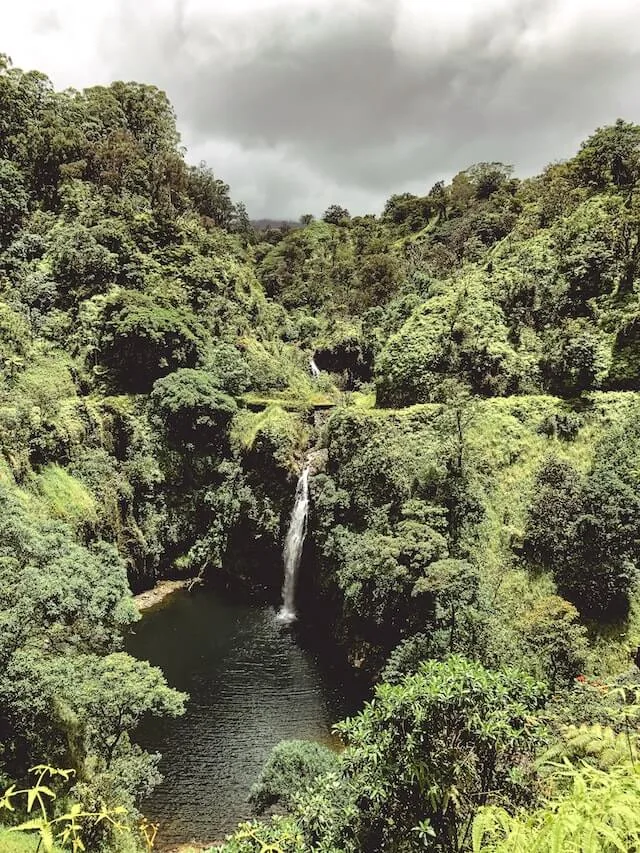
(302, 103)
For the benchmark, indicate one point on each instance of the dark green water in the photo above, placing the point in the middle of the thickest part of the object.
(252, 684)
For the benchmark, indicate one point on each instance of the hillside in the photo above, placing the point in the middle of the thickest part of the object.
(474, 533)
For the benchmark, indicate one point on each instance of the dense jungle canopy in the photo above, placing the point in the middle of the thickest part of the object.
(474, 531)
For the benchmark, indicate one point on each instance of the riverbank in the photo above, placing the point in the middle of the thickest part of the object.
(163, 589)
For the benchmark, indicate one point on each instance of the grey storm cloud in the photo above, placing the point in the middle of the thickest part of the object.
(301, 104)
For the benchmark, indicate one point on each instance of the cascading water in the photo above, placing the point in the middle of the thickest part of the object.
(313, 367)
(293, 548)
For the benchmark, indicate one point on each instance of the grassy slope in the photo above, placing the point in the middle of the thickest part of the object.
(507, 448)
(14, 842)
(505, 436)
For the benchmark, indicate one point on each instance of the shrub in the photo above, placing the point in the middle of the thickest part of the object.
(229, 369)
(141, 340)
(292, 766)
(452, 727)
(191, 407)
(460, 334)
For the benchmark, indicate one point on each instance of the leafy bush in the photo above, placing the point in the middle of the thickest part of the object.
(625, 366)
(576, 359)
(229, 369)
(191, 408)
(80, 265)
(272, 439)
(564, 425)
(292, 766)
(555, 642)
(584, 528)
(141, 340)
(589, 810)
(14, 200)
(453, 726)
(459, 333)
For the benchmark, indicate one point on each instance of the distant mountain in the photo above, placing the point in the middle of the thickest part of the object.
(265, 224)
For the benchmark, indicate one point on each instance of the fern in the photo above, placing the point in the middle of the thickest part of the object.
(596, 744)
(66, 829)
(598, 812)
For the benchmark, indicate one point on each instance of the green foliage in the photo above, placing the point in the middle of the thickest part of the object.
(388, 582)
(450, 525)
(12, 842)
(62, 831)
(271, 437)
(291, 767)
(556, 506)
(610, 157)
(281, 835)
(555, 640)
(341, 264)
(64, 691)
(424, 755)
(65, 497)
(584, 529)
(625, 366)
(421, 758)
(459, 332)
(135, 329)
(336, 215)
(80, 265)
(576, 359)
(114, 694)
(210, 196)
(591, 810)
(14, 340)
(230, 371)
(14, 200)
(191, 408)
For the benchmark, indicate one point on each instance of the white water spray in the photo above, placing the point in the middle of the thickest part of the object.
(293, 548)
(313, 367)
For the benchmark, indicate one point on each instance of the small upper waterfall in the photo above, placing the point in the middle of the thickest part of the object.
(293, 547)
(313, 367)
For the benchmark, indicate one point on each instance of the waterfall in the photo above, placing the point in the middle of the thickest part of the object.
(313, 367)
(293, 548)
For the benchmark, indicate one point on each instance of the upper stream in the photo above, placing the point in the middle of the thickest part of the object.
(252, 683)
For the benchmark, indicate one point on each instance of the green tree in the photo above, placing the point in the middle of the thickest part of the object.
(336, 215)
(488, 178)
(229, 368)
(191, 408)
(458, 332)
(81, 266)
(14, 201)
(141, 340)
(576, 358)
(423, 756)
(292, 766)
(554, 640)
(111, 697)
(584, 528)
(625, 363)
(210, 196)
(379, 278)
(610, 157)
(553, 513)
